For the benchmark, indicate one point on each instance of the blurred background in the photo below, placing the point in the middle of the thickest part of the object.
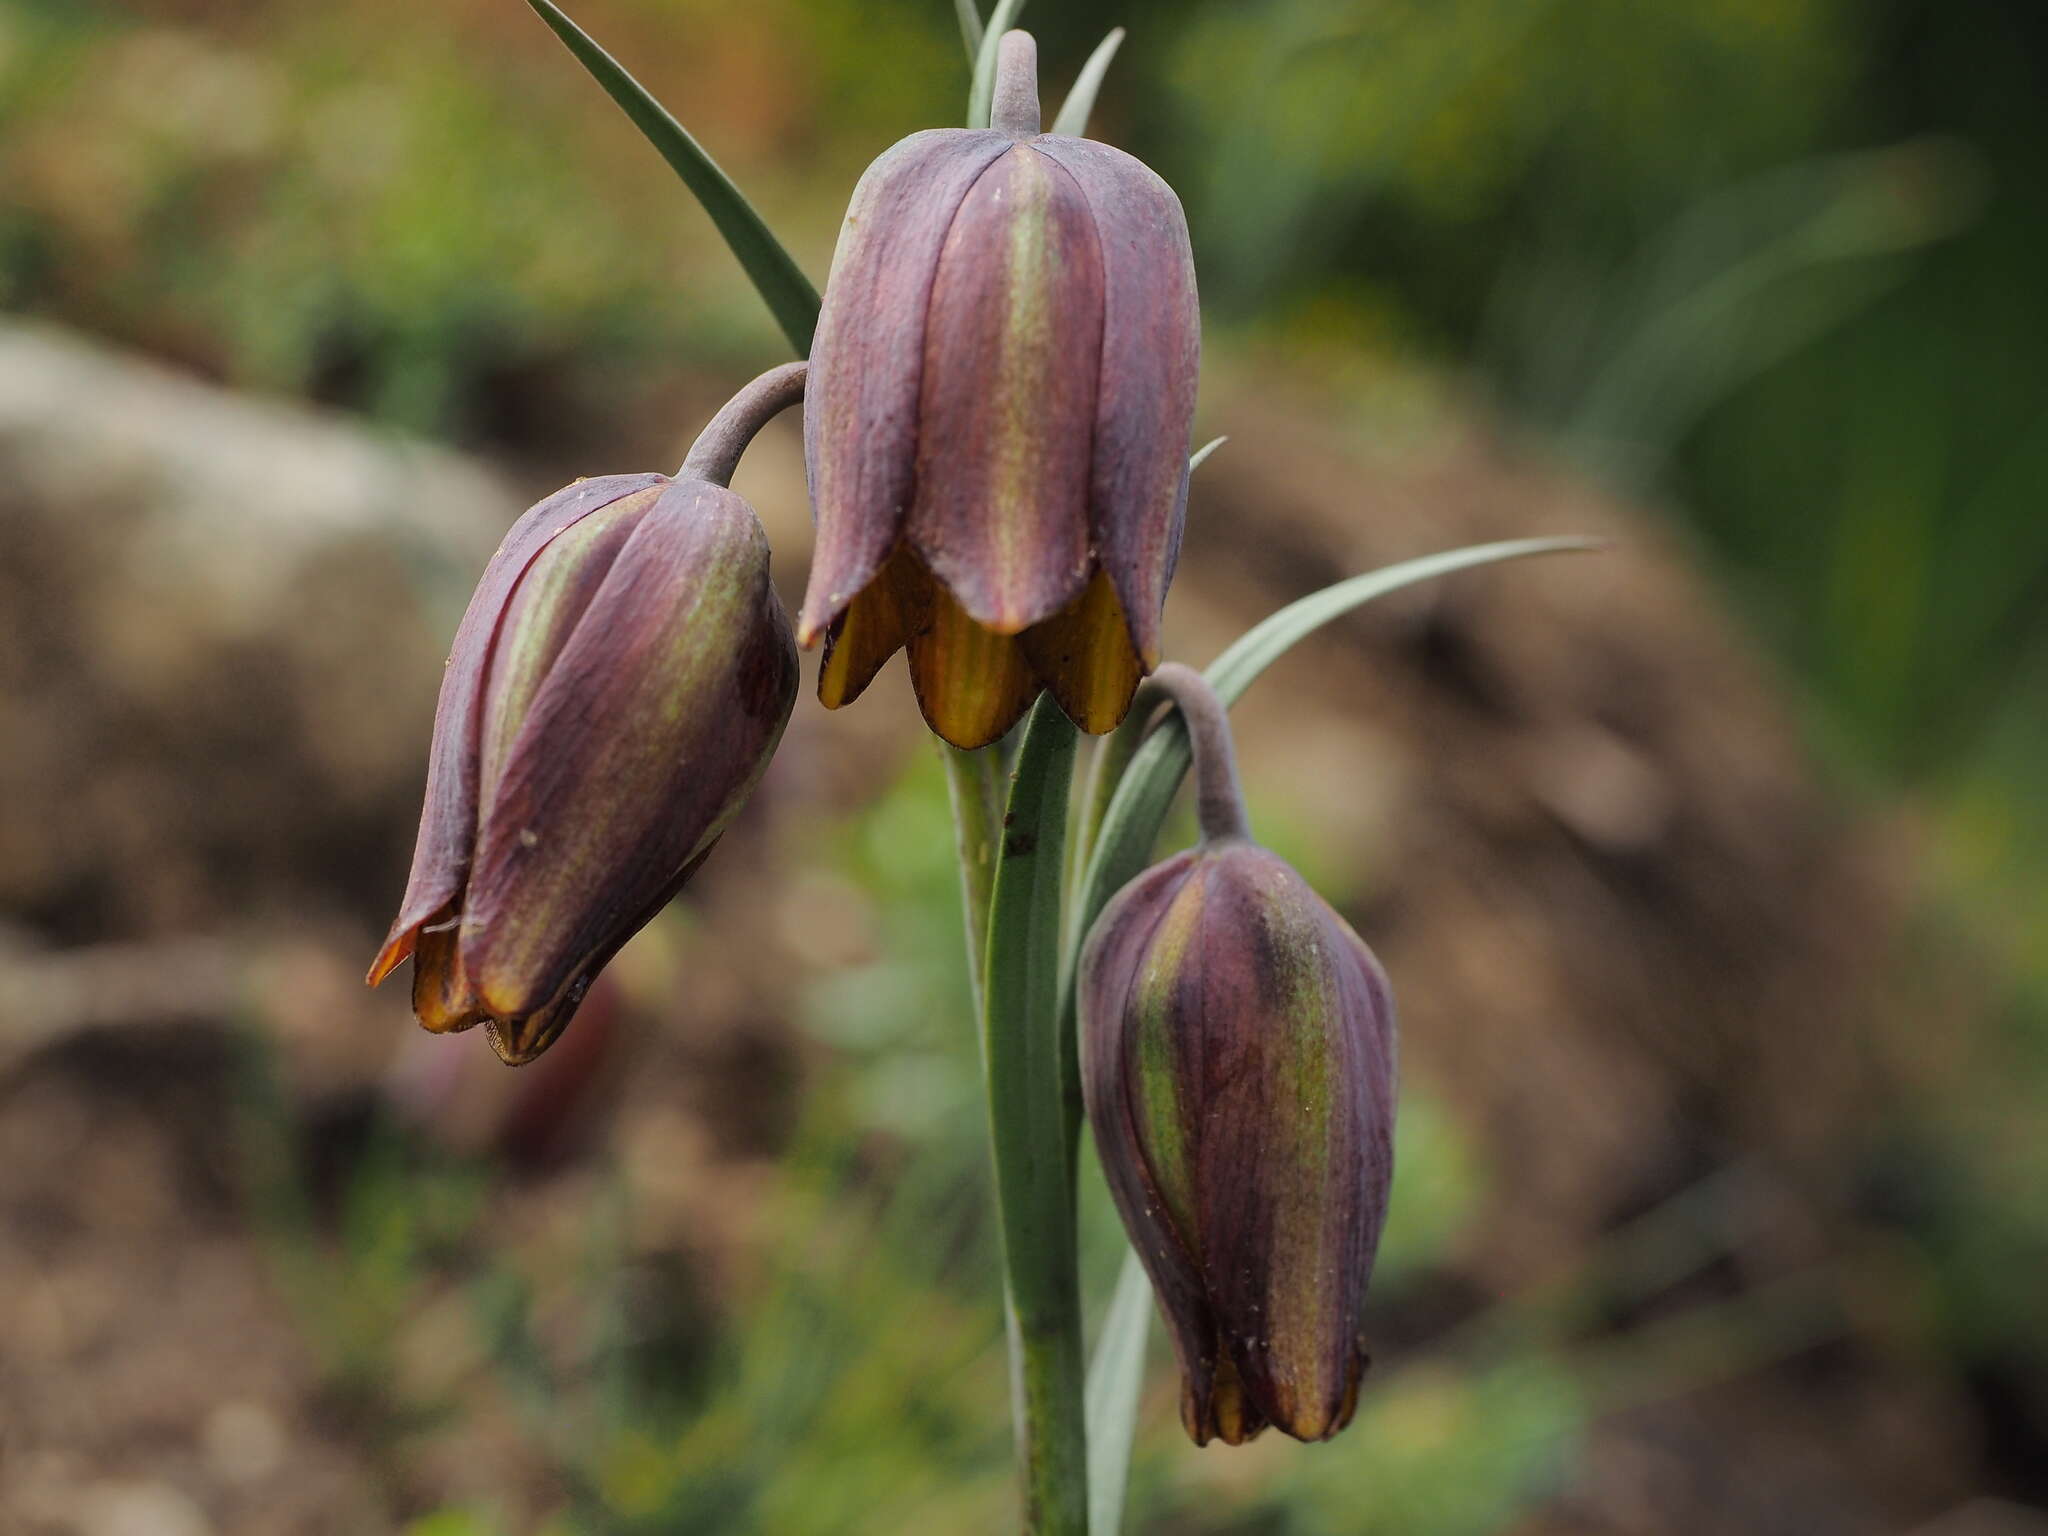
(1709, 871)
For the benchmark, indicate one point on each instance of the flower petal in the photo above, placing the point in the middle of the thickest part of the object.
(1118, 992)
(972, 684)
(442, 998)
(521, 1039)
(1012, 352)
(447, 832)
(1151, 363)
(1085, 656)
(656, 720)
(860, 404)
(878, 623)
(1294, 1146)
(541, 614)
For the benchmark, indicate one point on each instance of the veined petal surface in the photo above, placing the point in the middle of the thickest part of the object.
(1012, 353)
(1151, 364)
(441, 856)
(867, 362)
(656, 719)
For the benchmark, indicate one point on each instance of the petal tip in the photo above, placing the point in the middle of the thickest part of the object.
(398, 948)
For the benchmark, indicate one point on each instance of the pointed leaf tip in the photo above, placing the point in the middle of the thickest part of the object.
(789, 295)
(1080, 103)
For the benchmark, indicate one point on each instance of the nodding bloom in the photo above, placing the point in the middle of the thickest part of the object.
(1238, 1063)
(615, 691)
(1001, 392)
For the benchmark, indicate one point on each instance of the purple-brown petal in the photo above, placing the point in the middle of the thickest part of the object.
(655, 721)
(860, 404)
(521, 1038)
(540, 616)
(1238, 1067)
(1295, 1144)
(1151, 362)
(1012, 353)
(441, 855)
(1118, 986)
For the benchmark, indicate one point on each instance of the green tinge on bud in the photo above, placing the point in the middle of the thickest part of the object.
(996, 428)
(1238, 1064)
(616, 688)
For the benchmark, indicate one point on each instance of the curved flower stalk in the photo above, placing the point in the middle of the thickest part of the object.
(1002, 388)
(1238, 1062)
(616, 688)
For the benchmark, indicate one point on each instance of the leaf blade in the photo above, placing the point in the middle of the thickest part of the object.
(1201, 455)
(1116, 1376)
(970, 28)
(981, 95)
(1023, 1063)
(788, 293)
(1080, 103)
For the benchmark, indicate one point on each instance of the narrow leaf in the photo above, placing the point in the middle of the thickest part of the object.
(1024, 1063)
(1116, 1373)
(1080, 102)
(1138, 805)
(970, 28)
(982, 94)
(775, 274)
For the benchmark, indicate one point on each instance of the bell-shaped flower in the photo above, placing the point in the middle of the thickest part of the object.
(1238, 1063)
(616, 688)
(1001, 392)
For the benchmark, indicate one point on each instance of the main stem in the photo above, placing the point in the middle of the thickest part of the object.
(974, 780)
(1041, 1282)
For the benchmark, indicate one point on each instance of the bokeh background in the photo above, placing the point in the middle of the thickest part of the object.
(1709, 871)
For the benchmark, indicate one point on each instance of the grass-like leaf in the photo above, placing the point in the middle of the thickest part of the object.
(1116, 1372)
(970, 28)
(1138, 805)
(1080, 102)
(981, 95)
(1201, 455)
(776, 276)
(1027, 1119)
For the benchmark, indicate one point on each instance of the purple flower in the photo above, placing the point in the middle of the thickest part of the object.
(1238, 1064)
(1000, 397)
(615, 690)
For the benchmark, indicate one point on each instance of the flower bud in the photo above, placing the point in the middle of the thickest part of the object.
(1238, 1066)
(616, 688)
(1001, 392)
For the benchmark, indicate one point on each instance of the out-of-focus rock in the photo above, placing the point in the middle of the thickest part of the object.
(195, 726)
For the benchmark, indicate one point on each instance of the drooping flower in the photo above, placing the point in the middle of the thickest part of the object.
(1001, 392)
(616, 688)
(1238, 1061)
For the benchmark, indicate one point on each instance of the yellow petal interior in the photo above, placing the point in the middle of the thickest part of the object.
(443, 999)
(1085, 656)
(972, 683)
(879, 621)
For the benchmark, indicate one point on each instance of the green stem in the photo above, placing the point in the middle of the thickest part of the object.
(974, 780)
(1019, 966)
